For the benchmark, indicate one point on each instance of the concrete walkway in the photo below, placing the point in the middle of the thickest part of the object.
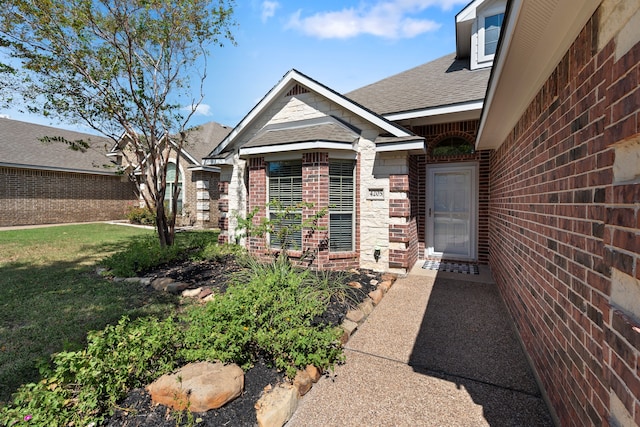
(439, 350)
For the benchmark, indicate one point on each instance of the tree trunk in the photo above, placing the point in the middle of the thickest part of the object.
(163, 227)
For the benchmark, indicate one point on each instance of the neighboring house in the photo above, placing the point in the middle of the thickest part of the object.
(48, 183)
(531, 165)
(198, 183)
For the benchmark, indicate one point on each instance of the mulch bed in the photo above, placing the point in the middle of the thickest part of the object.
(137, 410)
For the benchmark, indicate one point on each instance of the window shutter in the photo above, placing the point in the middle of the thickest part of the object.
(285, 186)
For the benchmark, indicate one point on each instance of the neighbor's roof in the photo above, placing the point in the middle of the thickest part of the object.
(203, 138)
(20, 147)
(444, 81)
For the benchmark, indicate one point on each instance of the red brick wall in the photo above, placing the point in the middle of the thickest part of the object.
(559, 224)
(433, 134)
(315, 190)
(29, 197)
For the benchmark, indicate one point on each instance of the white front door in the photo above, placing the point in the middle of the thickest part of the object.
(452, 200)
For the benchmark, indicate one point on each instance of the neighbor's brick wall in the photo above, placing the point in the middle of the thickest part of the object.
(433, 134)
(559, 226)
(29, 197)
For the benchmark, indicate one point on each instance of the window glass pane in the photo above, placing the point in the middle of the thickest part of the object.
(168, 194)
(285, 186)
(492, 26)
(341, 205)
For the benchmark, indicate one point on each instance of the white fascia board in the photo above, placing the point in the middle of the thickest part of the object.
(437, 111)
(400, 146)
(525, 61)
(469, 12)
(213, 169)
(56, 169)
(227, 161)
(302, 146)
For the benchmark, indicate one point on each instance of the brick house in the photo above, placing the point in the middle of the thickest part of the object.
(520, 151)
(48, 183)
(198, 182)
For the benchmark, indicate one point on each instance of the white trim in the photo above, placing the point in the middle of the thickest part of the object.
(400, 146)
(213, 169)
(437, 111)
(473, 210)
(227, 161)
(283, 84)
(316, 145)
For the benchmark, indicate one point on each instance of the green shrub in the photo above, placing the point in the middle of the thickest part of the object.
(83, 386)
(144, 253)
(143, 216)
(268, 311)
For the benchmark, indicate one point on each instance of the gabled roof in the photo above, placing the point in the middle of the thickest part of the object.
(279, 89)
(425, 89)
(20, 147)
(201, 138)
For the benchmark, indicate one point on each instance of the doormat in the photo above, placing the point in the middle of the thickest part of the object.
(451, 267)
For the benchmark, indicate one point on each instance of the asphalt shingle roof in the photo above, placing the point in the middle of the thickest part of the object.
(202, 139)
(20, 146)
(312, 131)
(444, 81)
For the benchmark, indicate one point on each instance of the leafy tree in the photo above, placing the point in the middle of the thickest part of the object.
(125, 68)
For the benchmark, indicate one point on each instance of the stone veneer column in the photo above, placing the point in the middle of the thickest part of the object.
(315, 189)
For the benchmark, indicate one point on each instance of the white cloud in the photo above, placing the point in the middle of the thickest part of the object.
(201, 109)
(269, 9)
(392, 19)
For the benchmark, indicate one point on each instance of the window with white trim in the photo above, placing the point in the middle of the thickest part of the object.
(285, 187)
(172, 169)
(487, 28)
(341, 205)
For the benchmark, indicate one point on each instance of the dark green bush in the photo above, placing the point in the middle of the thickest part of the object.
(143, 216)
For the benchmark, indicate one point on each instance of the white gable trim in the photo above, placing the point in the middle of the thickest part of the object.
(312, 85)
(437, 111)
(401, 146)
(311, 145)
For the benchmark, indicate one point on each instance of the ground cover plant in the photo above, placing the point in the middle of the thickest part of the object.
(269, 314)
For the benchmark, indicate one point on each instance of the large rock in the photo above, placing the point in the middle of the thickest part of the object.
(161, 283)
(198, 386)
(276, 407)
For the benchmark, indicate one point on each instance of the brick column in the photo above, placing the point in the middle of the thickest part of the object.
(315, 189)
(403, 231)
(257, 198)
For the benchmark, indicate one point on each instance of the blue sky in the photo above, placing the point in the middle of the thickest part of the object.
(343, 44)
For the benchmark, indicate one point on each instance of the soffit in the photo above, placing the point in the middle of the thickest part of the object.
(536, 36)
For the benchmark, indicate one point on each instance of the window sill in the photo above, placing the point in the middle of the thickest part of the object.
(342, 255)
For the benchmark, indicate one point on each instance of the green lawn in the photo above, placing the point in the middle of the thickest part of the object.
(50, 296)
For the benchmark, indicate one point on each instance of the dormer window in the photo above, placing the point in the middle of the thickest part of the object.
(488, 24)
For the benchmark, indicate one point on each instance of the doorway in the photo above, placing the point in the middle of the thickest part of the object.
(452, 199)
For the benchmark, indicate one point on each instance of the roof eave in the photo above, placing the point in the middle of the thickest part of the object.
(298, 146)
(414, 145)
(526, 59)
(463, 107)
(58, 169)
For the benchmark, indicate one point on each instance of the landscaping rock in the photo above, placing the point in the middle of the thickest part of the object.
(385, 286)
(388, 277)
(366, 306)
(349, 328)
(198, 386)
(314, 373)
(376, 296)
(208, 298)
(373, 282)
(302, 382)
(176, 287)
(205, 293)
(355, 316)
(191, 293)
(355, 285)
(161, 283)
(276, 407)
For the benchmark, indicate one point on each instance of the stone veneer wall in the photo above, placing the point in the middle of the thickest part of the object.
(29, 197)
(433, 134)
(565, 224)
